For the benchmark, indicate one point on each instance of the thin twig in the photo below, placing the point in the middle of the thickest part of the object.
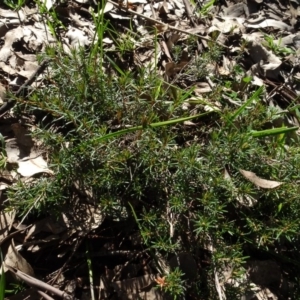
(45, 296)
(38, 284)
(12, 234)
(78, 243)
(189, 12)
(32, 206)
(167, 26)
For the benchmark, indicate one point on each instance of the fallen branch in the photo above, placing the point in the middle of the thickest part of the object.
(38, 284)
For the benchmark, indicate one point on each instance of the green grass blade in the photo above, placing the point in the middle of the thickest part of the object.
(152, 125)
(273, 131)
(254, 97)
(91, 277)
(117, 68)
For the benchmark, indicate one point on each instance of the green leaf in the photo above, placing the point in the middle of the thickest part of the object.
(273, 131)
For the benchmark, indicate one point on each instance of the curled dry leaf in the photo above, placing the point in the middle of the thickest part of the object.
(77, 38)
(263, 183)
(6, 220)
(21, 150)
(15, 260)
(2, 93)
(202, 87)
(189, 123)
(7, 177)
(34, 165)
(28, 69)
(226, 26)
(269, 23)
(82, 1)
(108, 7)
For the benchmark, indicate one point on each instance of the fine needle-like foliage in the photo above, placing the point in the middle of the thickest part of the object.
(132, 150)
(167, 165)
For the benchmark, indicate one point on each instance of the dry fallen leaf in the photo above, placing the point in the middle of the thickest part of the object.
(14, 259)
(269, 23)
(77, 38)
(6, 220)
(263, 183)
(33, 165)
(2, 93)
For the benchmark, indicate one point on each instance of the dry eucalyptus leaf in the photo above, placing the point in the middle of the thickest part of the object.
(189, 123)
(15, 260)
(7, 69)
(28, 69)
(270, 23)
(49, 3)
(135, 2)
(2, 93)
(12, 151)
(77, 38)
(30, 162)
(32, 166)
(6, 221)
(263, 183)
(202, 87)
(226, 26)
(108, 7)
(10, 14)
(20, 150)
(119, 16)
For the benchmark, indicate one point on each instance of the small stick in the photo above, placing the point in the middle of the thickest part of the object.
(188, 11)
(166, 25)
(12, 234)
(38, 284)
